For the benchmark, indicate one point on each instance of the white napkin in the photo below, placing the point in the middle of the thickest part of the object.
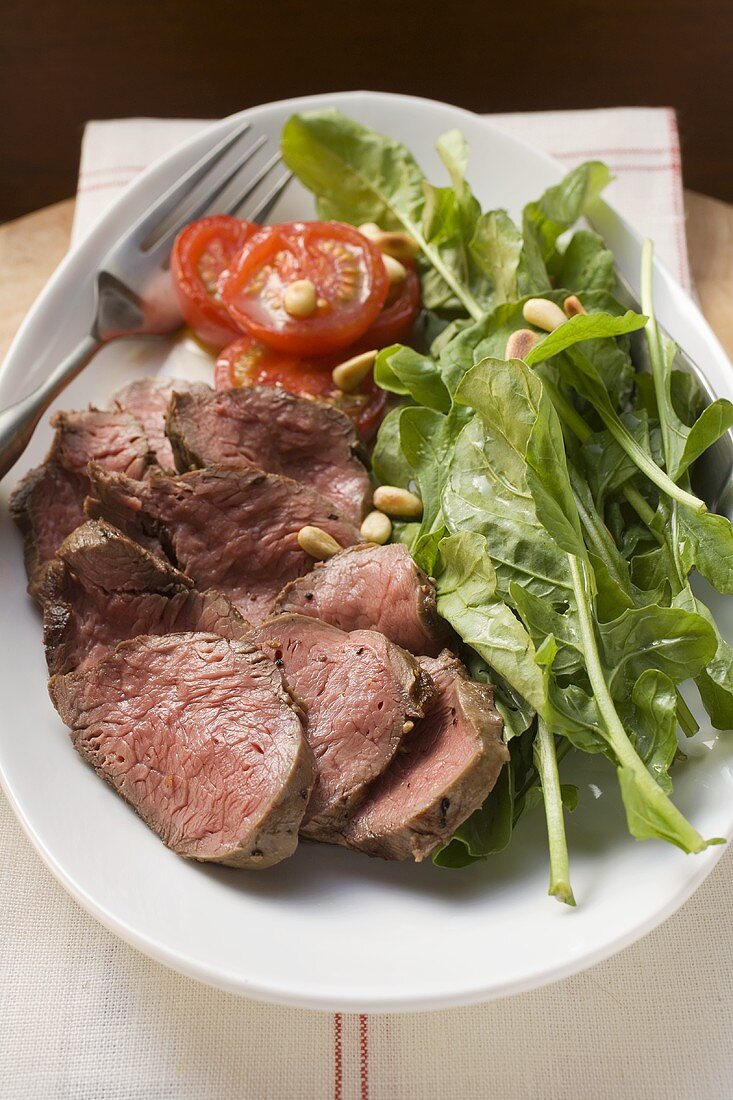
(86, 1017)
(639, 144)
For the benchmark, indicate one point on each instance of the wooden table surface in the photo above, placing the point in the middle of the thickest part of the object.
(32, 246)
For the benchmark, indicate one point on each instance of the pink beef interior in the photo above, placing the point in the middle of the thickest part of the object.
(444, 772)
(235, 530)
(357, 691)
(147, 400)
(198, 735)
(277, 431)
(371, 588)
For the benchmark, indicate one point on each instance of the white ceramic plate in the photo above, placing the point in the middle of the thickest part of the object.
(329, 928)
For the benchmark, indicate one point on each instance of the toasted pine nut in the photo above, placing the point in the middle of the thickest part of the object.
(396, 272)
(377, 527)
(543, 313)
(349, 375)
(520, 343)
(397, 502)
(318, 543)
(408, 727)
(400, 245)
(391, 242)
(573, 306)
(300, 298)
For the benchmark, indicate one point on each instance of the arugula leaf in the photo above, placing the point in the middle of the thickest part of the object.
(486, 488)
(389, 465)
(544, 221)
(467, 599)
(426, 438)
(401, 370)
(715, 681)
(586, 264)
(652, 715)
(358, 175)
(671, 640)
(496, 246)
(585, 326)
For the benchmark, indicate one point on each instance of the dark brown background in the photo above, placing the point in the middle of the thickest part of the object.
(64, 61)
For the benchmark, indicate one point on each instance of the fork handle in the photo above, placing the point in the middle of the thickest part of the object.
(18, 422)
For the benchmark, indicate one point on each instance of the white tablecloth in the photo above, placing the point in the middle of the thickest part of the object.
(84, 1016)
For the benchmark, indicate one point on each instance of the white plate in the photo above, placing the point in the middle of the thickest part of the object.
(330, 929)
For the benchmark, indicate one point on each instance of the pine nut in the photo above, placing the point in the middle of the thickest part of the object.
(377, 527)
(573, 306)
(349, 375)
(399, 245)
(370, 230)
(543, 313)
(300, 298)
(396, 272)
(408, 727)
(391, 242)
(318, 543)
(397, 502)
(520, 343)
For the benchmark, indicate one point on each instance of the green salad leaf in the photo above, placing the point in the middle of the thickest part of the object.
(558, 515)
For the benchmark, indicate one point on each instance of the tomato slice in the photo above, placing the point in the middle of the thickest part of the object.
(345, 268)
(249, 363)
(394, 323)
(202, 253)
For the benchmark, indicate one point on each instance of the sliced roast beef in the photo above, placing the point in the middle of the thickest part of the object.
(49, 502)
(198, 734)
(444, 771)
(147, 400)
(373, 588)
(360, 695)
(104, 589)
(281, 433)
(233, 529)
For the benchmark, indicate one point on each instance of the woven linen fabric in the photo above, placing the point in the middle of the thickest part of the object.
(85, 1017)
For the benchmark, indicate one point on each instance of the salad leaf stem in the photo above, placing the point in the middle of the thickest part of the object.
(433, 256)
(649, 811)
(638, 456)
(546, 762)
(574, 421)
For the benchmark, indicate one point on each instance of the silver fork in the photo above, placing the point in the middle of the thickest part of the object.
(133, 292)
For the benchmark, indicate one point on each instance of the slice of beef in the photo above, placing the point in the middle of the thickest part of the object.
(198, 734)
(104, 589)
(281, 433)
(49, 502)
(233, 529)
(147, 399)
(443, 772)
(373, 588)
(360, 695)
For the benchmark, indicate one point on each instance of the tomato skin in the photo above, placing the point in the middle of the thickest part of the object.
(203, 251)
(347, 271)
(247, 362)
(394, 324)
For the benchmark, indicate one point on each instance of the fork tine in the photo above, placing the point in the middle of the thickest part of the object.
(237, 195)
(204, 200)
(263, 208)
(179, 192)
